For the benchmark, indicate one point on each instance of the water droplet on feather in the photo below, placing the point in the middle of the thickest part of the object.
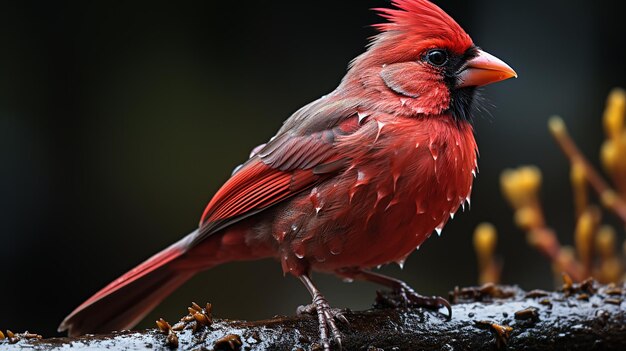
(335, 245)
(380, 128)
(360, 175)
(298, 249)
(391, 203)
(419, 208)
(315, 200)
(396, 177)
(236, 169)
(362, 116)
(434, 152)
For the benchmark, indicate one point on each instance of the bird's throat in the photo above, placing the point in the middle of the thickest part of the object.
(463, 102)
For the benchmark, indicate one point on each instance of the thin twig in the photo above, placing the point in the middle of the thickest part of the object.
(609, 197)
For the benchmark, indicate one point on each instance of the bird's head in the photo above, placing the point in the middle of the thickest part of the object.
(423, 62)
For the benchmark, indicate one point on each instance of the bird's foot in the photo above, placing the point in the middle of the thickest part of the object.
(326, 317)
(337, 313)
(405, 296)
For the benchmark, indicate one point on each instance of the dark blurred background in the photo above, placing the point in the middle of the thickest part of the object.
(119, 120)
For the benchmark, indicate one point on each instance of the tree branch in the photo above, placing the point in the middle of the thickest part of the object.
(579, 317)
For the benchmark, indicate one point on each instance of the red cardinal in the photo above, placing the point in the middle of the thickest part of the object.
(357, 179)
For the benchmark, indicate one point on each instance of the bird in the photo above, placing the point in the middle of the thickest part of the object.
(358, 178)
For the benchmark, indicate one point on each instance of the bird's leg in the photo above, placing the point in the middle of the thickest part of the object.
(325, 315)
(408, 296)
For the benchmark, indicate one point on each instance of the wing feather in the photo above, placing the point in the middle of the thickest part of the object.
(291, 162)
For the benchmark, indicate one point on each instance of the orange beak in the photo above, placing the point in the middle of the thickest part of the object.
(484, 69)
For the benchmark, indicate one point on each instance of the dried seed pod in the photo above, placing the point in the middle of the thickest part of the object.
(567, 282)
(196, 307)
(614, 291)
(502, 330)
(171, 340)
(503, 333)
(588, 286)
(10, 334)
(28, 335)
(527, 313)
(209, 312)
(613, 301)
(1, 335)
(230, 342)
(545, 302)
(201, 319)
(163, 325)
(537, 293)
(582, 297)
(188, 318)
(178, 326)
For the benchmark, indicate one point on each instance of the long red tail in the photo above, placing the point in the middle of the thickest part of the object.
(125, 301)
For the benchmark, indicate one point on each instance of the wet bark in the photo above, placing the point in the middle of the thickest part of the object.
(580, 317)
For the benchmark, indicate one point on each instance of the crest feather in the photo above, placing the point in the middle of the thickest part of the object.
(423, 19)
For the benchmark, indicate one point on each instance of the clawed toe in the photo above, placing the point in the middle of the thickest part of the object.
(432, 302)
(336, 313)
(404, 296)
(306, 309)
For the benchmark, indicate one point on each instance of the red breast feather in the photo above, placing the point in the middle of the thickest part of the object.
(400, 187)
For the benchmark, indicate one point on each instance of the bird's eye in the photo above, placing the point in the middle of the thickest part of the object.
(437, 57)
